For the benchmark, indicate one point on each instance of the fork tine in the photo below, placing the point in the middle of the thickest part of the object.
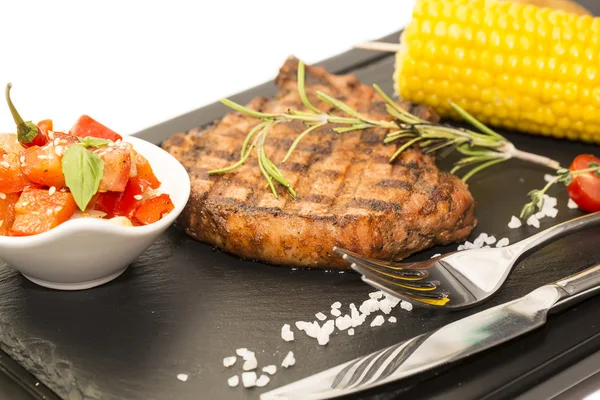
(396, 277)
(404, 272)
(430, 298)
(396, 293)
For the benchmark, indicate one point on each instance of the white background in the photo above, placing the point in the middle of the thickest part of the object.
(133, 64)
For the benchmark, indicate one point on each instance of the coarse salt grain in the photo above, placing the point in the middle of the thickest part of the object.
(405, 305)
(351, 332)
(490, 240)
(2, 196)
(22, 159)
(270, 369)
(320, 316)
(49, 211)
(502, 242)
(377, 321)
(533, 221)
(301, 325)
(250, 364)
(57, 209)
(552, 212)
(540, 214)
(182, 377)
(233, 381)
(5, 164)
(286, 333)
(376, 295)
(229, 361)
(392, 320)
(326, 330)
(241, 352)
(262, 381)
(337, 304)
(138, 197)
(436, 255)
(289, 360)
(549, 178)
(42, 157)
(56, 141)
(249, 379)
(58, 150)
(571, 204)
(343, 323)
(51, 191)
(514, 223)
(51, 135)
(336, 312)
(248, 355)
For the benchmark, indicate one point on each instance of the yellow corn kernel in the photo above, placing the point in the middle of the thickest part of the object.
(512, 65)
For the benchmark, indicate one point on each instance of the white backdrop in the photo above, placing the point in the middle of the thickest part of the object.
(133, 64)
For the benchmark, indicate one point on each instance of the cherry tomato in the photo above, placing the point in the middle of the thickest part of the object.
(585, 188)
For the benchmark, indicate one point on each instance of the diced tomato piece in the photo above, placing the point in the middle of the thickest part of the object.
(144, 171)
(43, 165)
(46, 125)
(124, 204)
(12, 179)
(38, 211)
(117, 167)
(87, 126)
(153, 209)
(7, 212)
(65, 140)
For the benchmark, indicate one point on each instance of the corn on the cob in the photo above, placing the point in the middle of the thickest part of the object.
(510, 65)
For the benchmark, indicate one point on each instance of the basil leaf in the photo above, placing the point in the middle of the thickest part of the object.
(83, 172)
(91, 141)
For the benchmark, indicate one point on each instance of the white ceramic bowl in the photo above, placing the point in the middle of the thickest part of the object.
(86, 252)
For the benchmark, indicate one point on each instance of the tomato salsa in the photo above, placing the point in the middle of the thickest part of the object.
(48, 177)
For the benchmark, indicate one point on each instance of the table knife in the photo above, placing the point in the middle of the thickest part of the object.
(450, 343)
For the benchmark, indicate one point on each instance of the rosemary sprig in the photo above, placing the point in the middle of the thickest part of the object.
(480, 150)
(564, 176)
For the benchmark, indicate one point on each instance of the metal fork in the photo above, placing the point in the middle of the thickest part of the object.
(459, 279)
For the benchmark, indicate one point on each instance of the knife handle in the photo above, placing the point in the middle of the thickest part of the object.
(578, 287)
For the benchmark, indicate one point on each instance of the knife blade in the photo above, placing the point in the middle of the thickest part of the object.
(447, 344)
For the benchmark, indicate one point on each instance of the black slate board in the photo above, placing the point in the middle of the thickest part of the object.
(183, 306)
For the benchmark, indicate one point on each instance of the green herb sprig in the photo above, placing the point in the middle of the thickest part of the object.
(564, 176)
(480, 150)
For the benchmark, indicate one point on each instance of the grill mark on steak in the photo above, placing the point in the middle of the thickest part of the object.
(349, 195)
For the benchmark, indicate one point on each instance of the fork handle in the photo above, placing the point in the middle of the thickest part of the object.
(578, 287)
(529, 245)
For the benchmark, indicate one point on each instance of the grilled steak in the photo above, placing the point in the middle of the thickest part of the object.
(349, 195)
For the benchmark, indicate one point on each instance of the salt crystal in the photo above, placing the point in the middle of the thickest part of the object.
(552, 213)
(182, 377)
(550, 201)
(548, 177)
(336, 312)
(241, 352)
(270, 369)
(376, 295)
(138, 197)
(385, 306)
(2, 196)
(56, 141)
(233, 381)
(262, 381)
(249, 379)
(351, 332)
(312, 330)
(322, 338)
(540, 214)
(51, 191)
(229, 361)
(359, 321)
(392, 320)
(405, 305)
(533, 221)
(320, 316)
(248, 355)
(394, 301)
(377, 321)
(250, 364)
(328, 327)
(301, 325)
(343, 323)
(5, 164)
(337, 304)
(436, 255)
(286, 333)
(460, 247)
(490, 240)
(289, 360)
(58, 150)
(514, 223)
(571, 204)
(502, 242)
